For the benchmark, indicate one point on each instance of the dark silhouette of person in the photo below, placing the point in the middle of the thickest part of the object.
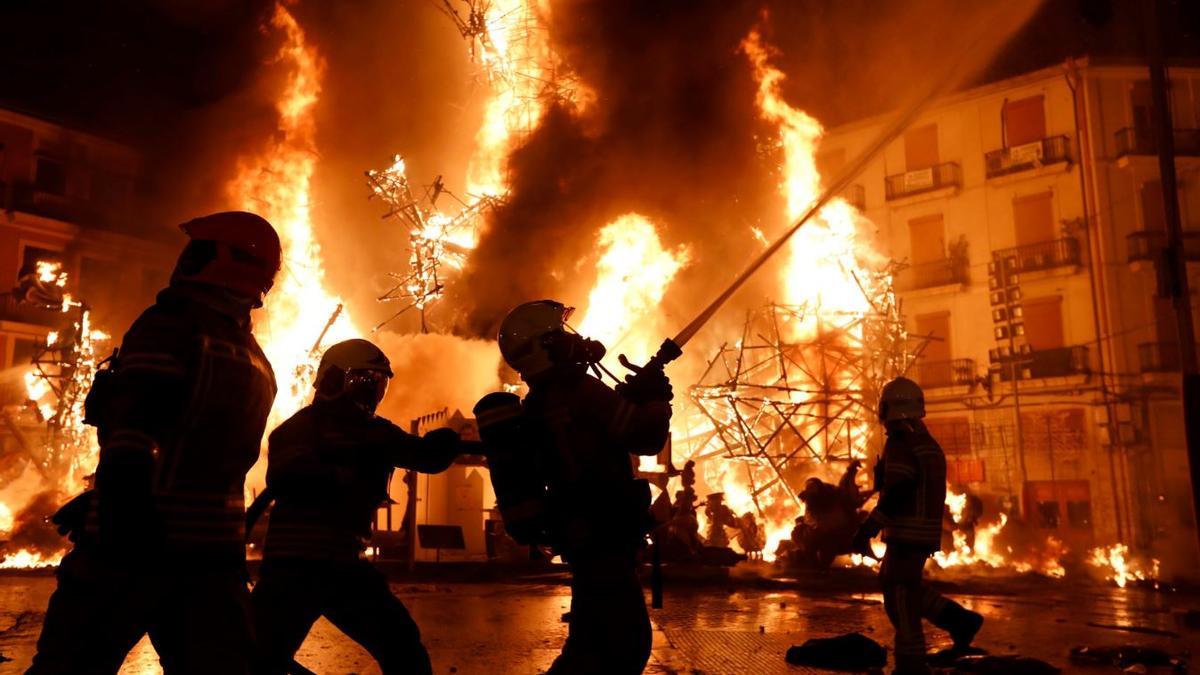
(180, 413)
(596, 513)
(328, 470)
(911, 480)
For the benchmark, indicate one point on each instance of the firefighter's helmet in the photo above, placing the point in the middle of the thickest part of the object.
(524, 332)
(356, 369)
(901, 399)
(235, 250)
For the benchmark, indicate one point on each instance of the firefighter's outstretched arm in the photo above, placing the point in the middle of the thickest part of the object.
(432, 453)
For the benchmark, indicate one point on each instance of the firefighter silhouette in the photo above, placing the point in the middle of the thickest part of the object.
(180, 414)
(911, 480)
(562, 469)
(328, 472)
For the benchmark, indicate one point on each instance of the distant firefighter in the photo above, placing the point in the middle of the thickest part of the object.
(719, 516)
(180, 414)
(912, 494)
(749, 537)
(328, 471)
(561, 467)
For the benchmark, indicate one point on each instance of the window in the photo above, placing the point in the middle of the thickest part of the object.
(50, 176)
(1141, 103)
(952, 433)
(928, 238)
(1033, 217)
(1043, 322)
(921, 147)
(23, 351)
(963, 470)
(99, 281)
(32, 255)
(1154, 214)
(935, 368)
(1048, 501)
(1060, 433)
(1024, 121)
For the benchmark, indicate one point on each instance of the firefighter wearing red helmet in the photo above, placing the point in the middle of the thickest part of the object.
(328, 471)
(911, 480)
(564, 478)
(180, 415)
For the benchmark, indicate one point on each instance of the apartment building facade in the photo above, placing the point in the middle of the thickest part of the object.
(1029, 216)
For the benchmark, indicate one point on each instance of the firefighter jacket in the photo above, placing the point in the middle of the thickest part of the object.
(329, 467)
(588, 433)
(180, 421)
(912, 489)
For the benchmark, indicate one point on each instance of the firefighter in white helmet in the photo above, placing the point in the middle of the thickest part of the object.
(328, 470)
(579, 435)
(911, 479)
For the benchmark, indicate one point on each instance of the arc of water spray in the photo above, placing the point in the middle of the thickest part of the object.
(958, 68)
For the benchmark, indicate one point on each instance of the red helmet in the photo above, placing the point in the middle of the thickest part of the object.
(235, 250)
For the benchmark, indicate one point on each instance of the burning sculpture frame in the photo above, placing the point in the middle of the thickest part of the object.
(780, 405)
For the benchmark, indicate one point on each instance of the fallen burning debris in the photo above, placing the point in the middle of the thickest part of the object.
(849, 652)
(1126, 656)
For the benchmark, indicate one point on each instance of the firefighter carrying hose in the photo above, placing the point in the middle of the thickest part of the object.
(328, 469)
(560, 462)
(911, 479)
(159, 543)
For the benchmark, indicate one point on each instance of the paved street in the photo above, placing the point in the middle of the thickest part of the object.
(718, 628)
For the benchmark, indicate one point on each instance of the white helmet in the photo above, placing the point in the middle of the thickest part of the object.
(523, 332)
(901, 399)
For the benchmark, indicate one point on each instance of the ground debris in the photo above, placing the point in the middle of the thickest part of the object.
(1134, 629)
(1125, 656)
(987, 664)
(852, 651)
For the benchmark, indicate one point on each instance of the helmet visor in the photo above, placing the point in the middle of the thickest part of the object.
(366, 388)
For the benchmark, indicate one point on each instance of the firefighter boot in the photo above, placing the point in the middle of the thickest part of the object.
(962, 624)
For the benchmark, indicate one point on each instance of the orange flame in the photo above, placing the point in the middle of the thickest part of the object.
(276, 185)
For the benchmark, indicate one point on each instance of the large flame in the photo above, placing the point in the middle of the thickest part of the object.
(276, 184)
(632, 275)
(515, 53)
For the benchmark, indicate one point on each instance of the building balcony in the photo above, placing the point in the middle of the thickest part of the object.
(1005, 161)
(11, 310)
(1149, 245)
(944, 272)
(1043, 363)
(1135, 141)
(955, 372)
(937, 177)
(1045, 255)
(1159, 357)
(856, 196)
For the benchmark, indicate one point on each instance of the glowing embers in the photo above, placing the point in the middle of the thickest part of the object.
(435, 239)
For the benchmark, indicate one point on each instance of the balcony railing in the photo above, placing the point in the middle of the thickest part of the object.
(947, 174)
(1143, 141)
(1019, 158)
(1159, 357)
(11, 310)
(945, 373)
(1040, 363)
(856, 196)
(1149, 244)
(1042, 255)
(942, 272)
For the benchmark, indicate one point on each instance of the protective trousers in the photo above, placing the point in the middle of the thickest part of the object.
(293, 593)
(198, 619)
(907, 599)
(609, 630)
